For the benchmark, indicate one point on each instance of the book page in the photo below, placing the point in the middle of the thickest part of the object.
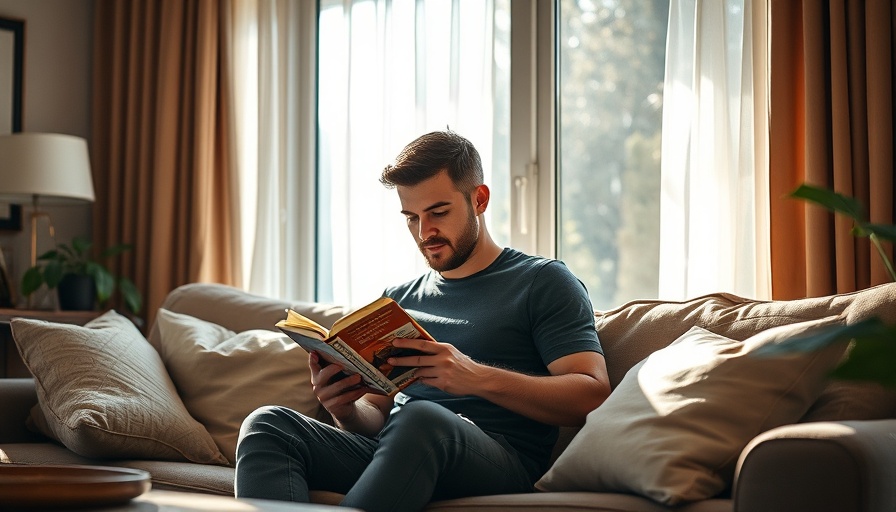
(304, 324)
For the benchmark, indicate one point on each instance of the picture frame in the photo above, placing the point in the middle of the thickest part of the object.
(10, 217)
(12, 71)
(7, 289)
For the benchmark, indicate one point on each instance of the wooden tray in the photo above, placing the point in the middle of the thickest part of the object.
(42, 486)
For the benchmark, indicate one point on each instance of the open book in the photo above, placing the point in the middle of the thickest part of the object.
(361, 342)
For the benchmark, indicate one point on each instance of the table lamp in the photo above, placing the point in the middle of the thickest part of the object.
(45, 169)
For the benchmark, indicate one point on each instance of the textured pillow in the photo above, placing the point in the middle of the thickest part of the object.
(223, 376)
(673, 429)
(104, 392)
(634, 330)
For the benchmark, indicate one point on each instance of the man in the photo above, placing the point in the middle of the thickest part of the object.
(517, 355)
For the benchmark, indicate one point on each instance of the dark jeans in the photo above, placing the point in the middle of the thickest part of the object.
(424, 452)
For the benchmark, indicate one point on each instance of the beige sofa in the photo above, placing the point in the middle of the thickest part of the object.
(649, 448)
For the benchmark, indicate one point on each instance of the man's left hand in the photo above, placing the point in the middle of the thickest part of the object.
(441, 366)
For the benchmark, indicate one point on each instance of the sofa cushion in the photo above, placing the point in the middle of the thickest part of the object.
(238, 310)
(223, 376)
(674, 427)
(104, 392)
(631, 332)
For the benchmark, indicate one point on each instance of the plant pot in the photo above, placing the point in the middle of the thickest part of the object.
(76, 293)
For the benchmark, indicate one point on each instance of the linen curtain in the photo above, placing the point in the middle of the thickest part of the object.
(831, 125)
(389, 72)
(159, 143)
(272, 47)
(712, 208)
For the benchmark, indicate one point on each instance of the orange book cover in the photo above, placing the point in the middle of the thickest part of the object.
(361, 342)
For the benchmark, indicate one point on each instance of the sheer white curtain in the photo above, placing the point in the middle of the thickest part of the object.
(712, 215)
(391, 70)
(272, 66)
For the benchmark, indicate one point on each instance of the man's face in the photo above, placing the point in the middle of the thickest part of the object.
(442, 221)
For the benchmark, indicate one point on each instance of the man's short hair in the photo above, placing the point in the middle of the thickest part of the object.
(432, 153)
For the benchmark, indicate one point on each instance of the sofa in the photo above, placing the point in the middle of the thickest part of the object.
(698, 421)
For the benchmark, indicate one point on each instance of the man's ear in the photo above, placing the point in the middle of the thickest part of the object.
(480, 199)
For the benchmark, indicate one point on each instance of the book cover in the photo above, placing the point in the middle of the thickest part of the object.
(361, 342)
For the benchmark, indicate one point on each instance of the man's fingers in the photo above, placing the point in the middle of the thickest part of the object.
(422, 345)
(314, 362)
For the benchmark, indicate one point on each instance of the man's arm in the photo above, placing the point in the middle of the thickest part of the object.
(577, 385)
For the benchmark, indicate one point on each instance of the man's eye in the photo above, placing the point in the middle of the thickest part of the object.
(411, 220)
(439, 214)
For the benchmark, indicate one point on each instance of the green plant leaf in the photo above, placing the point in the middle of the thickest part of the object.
(81, 245)
(885, 231)
(105, 282)
(824, 336)
(871, 359)
(32, 280)
(831, 200)
(871, 355)
(49, 255)
(131, 295)
(54, 271)
(65, 252)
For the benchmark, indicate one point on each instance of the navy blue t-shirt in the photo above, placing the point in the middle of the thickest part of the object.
(520, 313)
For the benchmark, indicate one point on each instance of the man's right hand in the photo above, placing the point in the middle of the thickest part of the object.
(344, 398)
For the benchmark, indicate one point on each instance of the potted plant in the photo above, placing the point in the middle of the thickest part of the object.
(82, 282)
(872, 344)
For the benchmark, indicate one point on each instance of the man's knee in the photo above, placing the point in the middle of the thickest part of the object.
(266, 419)
(425, 420)
(276, 423)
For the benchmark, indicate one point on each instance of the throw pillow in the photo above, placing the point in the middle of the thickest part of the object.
(104, 392)
(223, 376)
(673, 429)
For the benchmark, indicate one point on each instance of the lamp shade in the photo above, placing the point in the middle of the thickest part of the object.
(51, 166)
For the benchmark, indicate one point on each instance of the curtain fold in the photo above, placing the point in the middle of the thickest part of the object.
(831, 125)
(273, 49)
(710, 219)
(160, 143)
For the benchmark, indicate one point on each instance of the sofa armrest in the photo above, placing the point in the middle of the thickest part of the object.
(17, 397)
(847, 466)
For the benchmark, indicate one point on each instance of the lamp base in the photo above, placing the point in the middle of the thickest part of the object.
(36, 215)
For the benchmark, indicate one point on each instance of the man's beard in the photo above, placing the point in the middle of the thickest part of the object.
(461, 250)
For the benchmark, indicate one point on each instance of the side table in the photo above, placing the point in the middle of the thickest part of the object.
(11, 365)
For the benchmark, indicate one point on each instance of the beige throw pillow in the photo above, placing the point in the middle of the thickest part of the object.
(673, 429)
(104, 392)
(223, 376)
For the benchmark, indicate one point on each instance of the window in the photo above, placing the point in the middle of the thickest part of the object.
(587, 74)
(610, 76)
(390, 71)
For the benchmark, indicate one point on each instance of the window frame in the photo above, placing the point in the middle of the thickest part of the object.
(533, 132)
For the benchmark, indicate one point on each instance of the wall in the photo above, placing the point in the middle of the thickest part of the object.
(58, 46)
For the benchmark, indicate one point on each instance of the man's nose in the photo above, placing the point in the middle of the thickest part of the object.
(426, 230)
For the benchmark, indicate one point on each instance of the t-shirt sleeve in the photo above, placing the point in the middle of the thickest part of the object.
(561, 313)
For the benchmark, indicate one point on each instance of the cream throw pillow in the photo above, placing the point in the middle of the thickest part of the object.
(673, 429)
(223, 376)
(104, 392)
